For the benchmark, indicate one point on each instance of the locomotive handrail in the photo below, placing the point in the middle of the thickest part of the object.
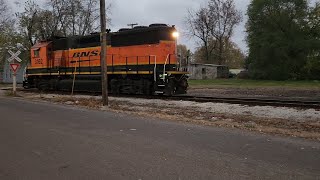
(164, 68)
(155, 68)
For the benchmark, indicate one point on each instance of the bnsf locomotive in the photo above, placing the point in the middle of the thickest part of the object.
(140, 60)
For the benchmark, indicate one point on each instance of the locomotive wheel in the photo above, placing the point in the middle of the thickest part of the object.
(115, 88)
(147, 90)
(43, 86)
(182, 86)
(171, 89)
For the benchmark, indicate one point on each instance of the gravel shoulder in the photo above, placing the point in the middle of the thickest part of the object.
(304, 123)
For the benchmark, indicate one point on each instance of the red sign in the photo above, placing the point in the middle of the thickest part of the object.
(14, 67)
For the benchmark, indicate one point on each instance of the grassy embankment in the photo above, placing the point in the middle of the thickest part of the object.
(240, 83)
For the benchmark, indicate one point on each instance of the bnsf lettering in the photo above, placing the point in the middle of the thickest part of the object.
(86, 54)
(94, 53)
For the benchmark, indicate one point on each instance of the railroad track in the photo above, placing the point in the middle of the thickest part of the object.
(305, 104)
(253, 101)
(231, 100)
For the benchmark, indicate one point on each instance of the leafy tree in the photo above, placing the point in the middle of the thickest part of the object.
(234, 57)
(4, 22)
(279, 38)
(10, 39)
(5, 18)
(312, 67)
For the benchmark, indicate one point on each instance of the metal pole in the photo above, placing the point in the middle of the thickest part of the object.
(103, 59)
(74, 76)
(176, 43)
(14, 84)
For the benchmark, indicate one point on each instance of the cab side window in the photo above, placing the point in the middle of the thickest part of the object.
(36, 53)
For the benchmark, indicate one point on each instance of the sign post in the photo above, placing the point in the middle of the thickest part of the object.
(14, 67)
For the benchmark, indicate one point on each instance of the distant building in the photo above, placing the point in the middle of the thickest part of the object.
(236, 71)
(208, 71)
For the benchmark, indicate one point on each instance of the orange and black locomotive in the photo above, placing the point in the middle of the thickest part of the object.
(140, 60)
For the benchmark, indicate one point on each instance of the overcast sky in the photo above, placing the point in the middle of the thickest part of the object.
(174, 12)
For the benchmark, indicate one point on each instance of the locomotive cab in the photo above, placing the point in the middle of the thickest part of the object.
(41, 55)
(41, 58)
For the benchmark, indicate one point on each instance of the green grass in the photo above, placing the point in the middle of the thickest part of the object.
(5, 85)
(236, 83)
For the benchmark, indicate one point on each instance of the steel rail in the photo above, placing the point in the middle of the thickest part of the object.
(252, 101)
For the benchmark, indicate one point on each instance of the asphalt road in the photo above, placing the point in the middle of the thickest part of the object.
(46, 141)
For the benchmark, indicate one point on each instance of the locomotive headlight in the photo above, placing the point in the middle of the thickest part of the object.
(175, 34)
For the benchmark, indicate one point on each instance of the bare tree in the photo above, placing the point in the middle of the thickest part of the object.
(223, 18)
(58, 18)
(84, 16)
(74, 13)
(184, 54)
(60, 10)
(76, 17)
(28, 22)
(199, 26)
(214, 23)
(89, 20)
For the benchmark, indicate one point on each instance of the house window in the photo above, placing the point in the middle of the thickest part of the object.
(204, 72)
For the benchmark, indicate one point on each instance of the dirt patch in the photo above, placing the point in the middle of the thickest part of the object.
(88, 102)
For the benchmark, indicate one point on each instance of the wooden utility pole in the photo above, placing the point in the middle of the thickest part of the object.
(103, 59)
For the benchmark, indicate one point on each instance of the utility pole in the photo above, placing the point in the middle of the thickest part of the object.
(103, 59)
